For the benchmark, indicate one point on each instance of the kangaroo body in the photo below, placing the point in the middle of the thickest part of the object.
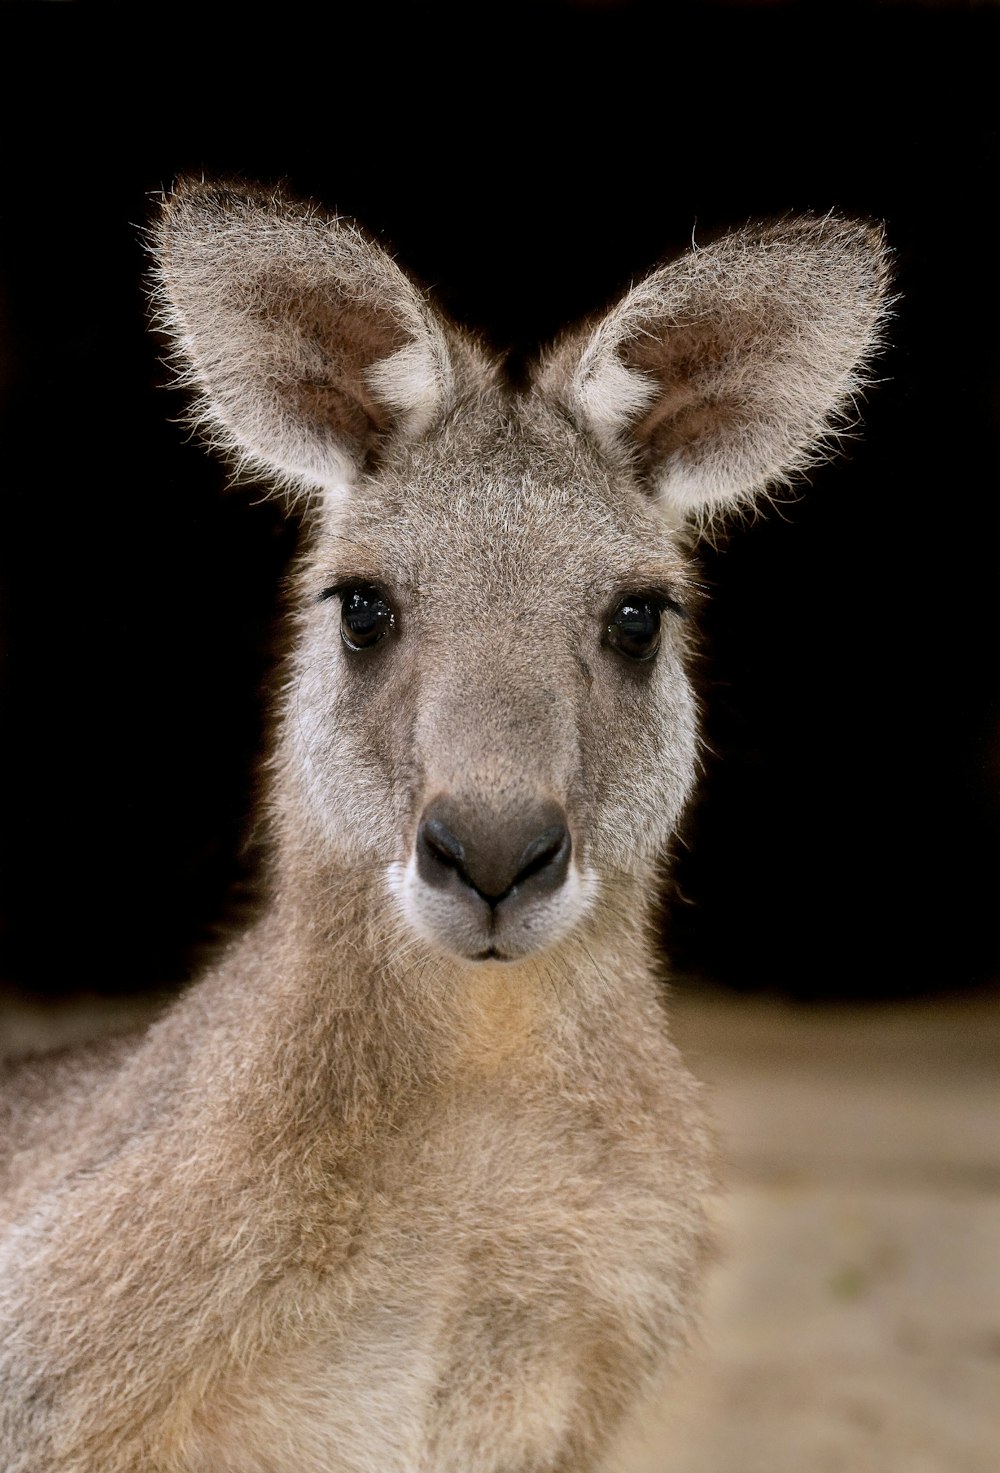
(413, 1181)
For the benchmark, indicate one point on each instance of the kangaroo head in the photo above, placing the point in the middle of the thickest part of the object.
(488, 710)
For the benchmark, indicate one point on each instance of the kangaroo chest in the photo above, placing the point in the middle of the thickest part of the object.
(509, 1273)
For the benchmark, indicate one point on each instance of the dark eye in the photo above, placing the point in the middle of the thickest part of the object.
(634, 628)
(366, 617)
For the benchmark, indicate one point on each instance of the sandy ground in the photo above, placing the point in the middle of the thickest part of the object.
(853, 1322)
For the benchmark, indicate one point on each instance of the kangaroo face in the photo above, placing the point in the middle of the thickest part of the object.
(490, 700)
(488, 707)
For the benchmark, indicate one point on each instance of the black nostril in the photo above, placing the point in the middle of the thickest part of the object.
(442, 843)
(551, 847)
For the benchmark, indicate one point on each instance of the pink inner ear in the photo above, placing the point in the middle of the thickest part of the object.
(321, 348)
(704, 396)
(687, 424)
(728, 373)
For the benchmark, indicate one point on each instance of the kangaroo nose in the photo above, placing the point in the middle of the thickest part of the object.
(493, 857)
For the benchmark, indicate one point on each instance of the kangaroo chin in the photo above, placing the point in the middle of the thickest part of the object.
(469, 926)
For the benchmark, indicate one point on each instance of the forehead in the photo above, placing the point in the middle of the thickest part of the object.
(504, 496)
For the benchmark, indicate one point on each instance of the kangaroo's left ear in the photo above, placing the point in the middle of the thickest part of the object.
(310, 352)
(725, 371)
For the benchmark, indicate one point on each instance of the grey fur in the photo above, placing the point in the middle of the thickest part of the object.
(360, 1202)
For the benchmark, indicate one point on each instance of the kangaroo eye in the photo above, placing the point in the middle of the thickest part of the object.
(366, 617)
(634, 628)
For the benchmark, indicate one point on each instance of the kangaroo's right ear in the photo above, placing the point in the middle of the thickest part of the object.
(307, 345)
(726, 372)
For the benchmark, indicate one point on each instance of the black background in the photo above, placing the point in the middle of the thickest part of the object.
(526, 162)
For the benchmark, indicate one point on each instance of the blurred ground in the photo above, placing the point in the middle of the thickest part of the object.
(853, 1322)
(853, 1325)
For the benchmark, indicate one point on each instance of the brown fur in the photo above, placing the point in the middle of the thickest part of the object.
(361, 1201)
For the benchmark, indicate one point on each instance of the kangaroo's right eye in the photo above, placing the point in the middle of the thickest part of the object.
(634, 628)
(366, 617)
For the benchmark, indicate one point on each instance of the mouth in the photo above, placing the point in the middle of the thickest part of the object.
(458, 920)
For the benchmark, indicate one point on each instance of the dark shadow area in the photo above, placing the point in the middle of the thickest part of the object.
(526, 162)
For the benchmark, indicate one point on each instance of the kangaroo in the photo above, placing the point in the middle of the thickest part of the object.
(413, 1180)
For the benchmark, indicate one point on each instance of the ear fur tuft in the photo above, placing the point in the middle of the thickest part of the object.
(307, 347)
(730, 370)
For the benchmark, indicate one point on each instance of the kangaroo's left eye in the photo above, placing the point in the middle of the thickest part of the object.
(367, 616)
(634, 628)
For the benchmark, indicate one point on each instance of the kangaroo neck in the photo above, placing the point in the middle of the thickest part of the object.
(339, 1021)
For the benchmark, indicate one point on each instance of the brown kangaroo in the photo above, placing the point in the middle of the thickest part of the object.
(412, 1181)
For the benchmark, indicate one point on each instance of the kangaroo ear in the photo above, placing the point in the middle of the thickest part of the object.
(727, 370)
(309, 348)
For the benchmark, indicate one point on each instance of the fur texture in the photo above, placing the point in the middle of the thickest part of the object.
(413, 1181)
